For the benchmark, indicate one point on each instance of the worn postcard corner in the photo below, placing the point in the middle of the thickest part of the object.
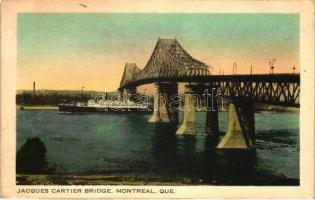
(157, 99)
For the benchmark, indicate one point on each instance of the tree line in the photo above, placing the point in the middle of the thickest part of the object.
(50, 99)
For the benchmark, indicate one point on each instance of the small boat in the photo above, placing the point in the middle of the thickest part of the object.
(105, 106)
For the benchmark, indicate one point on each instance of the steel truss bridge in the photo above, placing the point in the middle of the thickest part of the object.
(170, 63)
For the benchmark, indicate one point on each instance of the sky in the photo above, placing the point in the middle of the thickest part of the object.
(65, 51)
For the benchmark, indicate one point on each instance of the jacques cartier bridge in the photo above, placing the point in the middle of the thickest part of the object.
(170, 64)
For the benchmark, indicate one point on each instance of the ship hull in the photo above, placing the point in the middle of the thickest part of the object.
(64, 108)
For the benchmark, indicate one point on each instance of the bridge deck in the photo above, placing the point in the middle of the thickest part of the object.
(274, 78)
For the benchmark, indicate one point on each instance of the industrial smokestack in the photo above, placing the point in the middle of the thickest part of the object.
(34, 89)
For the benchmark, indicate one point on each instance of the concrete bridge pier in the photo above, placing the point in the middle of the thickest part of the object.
(127, 93)
(241, 127)
(188, 126)
(163, 112)
(212, 122)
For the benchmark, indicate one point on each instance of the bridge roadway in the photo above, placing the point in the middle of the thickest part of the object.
(275, 78)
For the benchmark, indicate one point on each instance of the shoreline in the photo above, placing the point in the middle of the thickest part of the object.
(27, 179)
(20, 107)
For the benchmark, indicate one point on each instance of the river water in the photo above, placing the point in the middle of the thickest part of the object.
(126, 144)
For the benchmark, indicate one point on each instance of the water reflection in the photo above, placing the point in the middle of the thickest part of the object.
(164, 139)
(179, 156)
(237, 166)
(164, 149)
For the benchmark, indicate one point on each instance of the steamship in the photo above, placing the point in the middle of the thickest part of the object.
(105, 107)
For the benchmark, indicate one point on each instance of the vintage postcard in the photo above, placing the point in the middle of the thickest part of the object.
(157, 99)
